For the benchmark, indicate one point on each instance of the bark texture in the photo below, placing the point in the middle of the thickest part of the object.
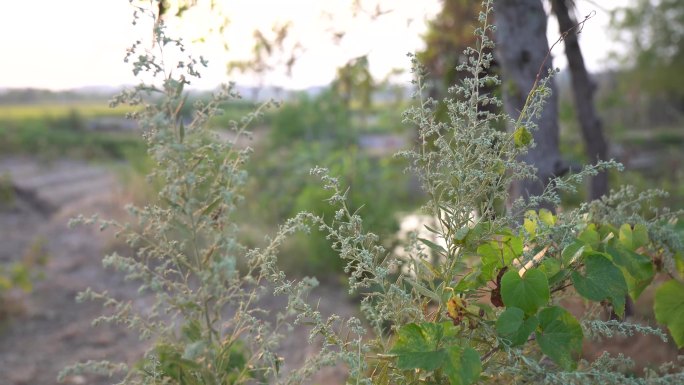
(583, 89)
(522, 47)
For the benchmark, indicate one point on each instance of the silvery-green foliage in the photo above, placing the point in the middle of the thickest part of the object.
(205, 322)
(207, 327)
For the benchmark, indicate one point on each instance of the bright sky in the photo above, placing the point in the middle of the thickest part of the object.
(75, 43)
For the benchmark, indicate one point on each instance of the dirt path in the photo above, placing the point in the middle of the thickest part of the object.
(52, 331)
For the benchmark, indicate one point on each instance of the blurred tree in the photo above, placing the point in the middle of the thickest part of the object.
(523, 53)
(583, 89)
(448, 35)
(354, 85)
(653, 31)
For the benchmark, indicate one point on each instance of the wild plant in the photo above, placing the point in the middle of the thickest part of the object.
(485, 307)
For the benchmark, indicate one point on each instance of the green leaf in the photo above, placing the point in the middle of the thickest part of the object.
(640, 236)
(417, 347)
(669, 309)
(602, 280)
(590, 236)
(528, 292)
(638, 269)
(501, 252)
(550, 267)
(516, 246)
(607, 231)
(421, 346)
(463, 365)
(679, 262)
(530, 225)
(522, 137)
(513, 326)
(625, 236)
(560, 336)
(490, 255)
(572, 251)
(547, 217)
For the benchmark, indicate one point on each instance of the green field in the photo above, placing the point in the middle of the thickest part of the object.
(60, 110)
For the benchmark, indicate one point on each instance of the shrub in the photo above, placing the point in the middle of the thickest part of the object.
(487, 309)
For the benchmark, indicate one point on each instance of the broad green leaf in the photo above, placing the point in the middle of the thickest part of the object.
(640, 236)
(463, 365)
(601, 280)
(590, 236)
(522, 137)
(633, 239)
(417, 346)
(490, 254)
(528, 292)
(421, 346)
(572, 251)
(607, 231)
(559, 277)
(625, 236)
(669, 309)
(547, 217)
(560, 336)
(513, 326)
(638, 269)
(501, 252)
(550, 267)
(679, 262)
(530, 225)
(516, 245)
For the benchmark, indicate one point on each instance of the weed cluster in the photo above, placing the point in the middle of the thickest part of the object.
(485, 307)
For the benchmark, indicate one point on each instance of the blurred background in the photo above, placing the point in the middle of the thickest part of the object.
(339, 69)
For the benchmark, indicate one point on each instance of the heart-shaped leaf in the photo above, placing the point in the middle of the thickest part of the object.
(463, 365)
(638, 269)
(428, 346)
(560, 336)
(601, 280)
(528, 292)
(669, 309)
(417, 346)
(513, 326)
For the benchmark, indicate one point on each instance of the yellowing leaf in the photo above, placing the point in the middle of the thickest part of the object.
(522, 137)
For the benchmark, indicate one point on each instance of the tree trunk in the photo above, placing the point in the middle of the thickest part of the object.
(522, 47)
(583, 92)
